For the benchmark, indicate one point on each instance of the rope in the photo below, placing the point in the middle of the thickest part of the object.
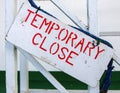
(33, 4)
(107, 79)
(108, 73)
(38, 8)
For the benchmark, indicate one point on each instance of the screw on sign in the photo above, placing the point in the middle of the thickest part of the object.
(67, 48)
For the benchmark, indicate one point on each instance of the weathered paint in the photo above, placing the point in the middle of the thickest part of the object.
(62, 46)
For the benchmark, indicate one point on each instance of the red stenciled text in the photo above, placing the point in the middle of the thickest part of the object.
(63, 34)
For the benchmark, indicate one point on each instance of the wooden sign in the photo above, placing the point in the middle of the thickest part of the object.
(69, 49)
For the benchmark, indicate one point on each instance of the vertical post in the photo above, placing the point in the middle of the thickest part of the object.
(93, 28)
(24, 80)
(24, 76)
(92, 16)
(2, 34)
(11, 64)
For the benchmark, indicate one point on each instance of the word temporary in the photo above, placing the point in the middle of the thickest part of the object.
(62, 46)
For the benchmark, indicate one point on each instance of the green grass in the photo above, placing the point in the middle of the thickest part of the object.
(37, 80)
(2, 82)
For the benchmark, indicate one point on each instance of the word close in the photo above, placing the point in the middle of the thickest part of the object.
(66, 44)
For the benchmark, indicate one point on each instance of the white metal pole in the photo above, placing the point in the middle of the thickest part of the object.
(41, 69)
(11, 64)
(92, 16)
(24, 73)
(93, 28)
(2, 34)
(24, 76)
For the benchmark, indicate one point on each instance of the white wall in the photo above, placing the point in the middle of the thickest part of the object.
(108, 18)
